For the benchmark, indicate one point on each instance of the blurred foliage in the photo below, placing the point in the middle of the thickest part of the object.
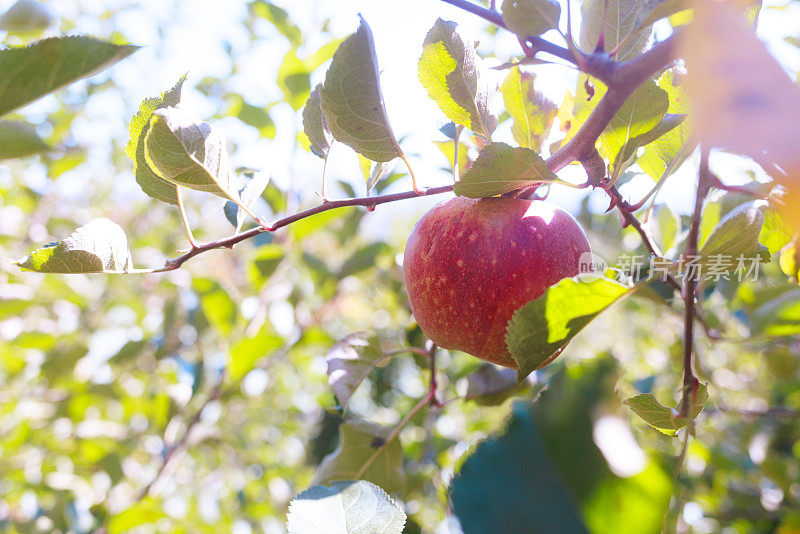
(197, 400)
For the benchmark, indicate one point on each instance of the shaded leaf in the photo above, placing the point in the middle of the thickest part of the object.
(531, 112)
(97, 247)
(449, 71)
(347, 507)
(45, 66)
(615, 19)
(379, 170)
(352, 99)
(652, 10)
(26, 16)
(736, 235)
(188, 153)
(350, 361)
(539, 330)
(663, 419)
(19, 139)
(490, 385)
(357, 442)
(149, 181)
(529, 18)
(501, 168)
(314, 124)
(510, 485)
(248, 186)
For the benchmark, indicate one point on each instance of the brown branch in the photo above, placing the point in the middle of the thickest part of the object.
(690, 283)
(229, 242)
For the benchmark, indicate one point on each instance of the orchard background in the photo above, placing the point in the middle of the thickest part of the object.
(206, 397)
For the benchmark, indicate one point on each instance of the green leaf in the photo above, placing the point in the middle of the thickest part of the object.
(615, 19)
(144, 512)
(314, 125)
(736, 236)
(347, 507)
(246, 353)
(31, 72)
(669, 151)
(511, 485)
(652, 10)
(352, 99)
(148, 180)
(531, 112)
(449, 71)
(266, 260)
(663, 419)
(279, 18)
(188, 153)
(19, 139)
(490, 385)
(628, 150)
(97, 247)
(357, 442)
(639, 115)
(539, 330)
(529, 18)
(218, 307)
(249, 185)
(667, 226)
(350, 361)
(501, 168)
(294, 79)
(26, 16)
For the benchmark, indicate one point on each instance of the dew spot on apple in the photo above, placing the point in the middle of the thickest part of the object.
(460, 263)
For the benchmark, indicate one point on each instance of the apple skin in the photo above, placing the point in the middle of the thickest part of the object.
(469, 264)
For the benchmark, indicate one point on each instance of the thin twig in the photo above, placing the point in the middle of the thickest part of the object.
(173, 450)
(429, 399)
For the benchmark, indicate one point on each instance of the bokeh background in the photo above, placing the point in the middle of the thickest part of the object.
(101, 376)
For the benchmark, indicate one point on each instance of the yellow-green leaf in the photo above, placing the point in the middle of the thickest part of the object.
(449, 71)
(531, 112)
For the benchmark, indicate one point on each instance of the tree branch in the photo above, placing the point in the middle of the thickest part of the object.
(229, 242)
(172, 450)
(690, 283)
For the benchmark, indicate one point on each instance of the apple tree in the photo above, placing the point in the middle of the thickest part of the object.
(235, 324)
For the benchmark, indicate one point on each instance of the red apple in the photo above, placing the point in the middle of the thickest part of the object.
(470, 264)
